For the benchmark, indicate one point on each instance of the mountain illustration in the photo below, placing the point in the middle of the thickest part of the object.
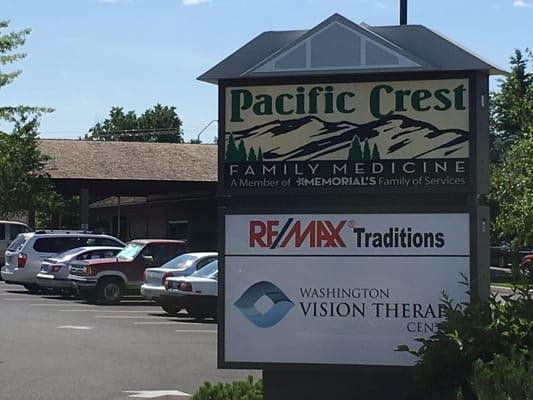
(396, 136)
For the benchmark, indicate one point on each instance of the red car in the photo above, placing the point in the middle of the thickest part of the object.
(109, 279)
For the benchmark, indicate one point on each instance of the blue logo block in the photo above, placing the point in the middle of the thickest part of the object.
(246, 304)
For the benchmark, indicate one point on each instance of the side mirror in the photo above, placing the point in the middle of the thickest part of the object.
(148, 259)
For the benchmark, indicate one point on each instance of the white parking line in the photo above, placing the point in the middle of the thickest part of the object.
(76, 327)
(126, 316)
(195, 331)
(155, 323)
(110, 311)
(61, 305)
(154, 394)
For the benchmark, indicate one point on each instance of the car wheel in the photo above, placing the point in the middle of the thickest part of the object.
(32, 288)
(171, 309)
(527, 271)
(198, 313)
(110, 291)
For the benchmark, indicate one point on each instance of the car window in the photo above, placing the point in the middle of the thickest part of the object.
(159, 254)
(2, 231)
(131, 251)
(14, 231)
(204, 262)
(108, 242)
(208, 271)
(53, 244)
(180, 262)
(18, 243)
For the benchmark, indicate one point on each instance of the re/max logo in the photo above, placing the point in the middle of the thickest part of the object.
(272, 234)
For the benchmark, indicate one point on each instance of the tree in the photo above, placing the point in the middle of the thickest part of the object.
(9, 43)
(241, 152)
(252, 157)
(157, 124)
(375, 152)
(511, 109)
(232, 154)
(512, 190)
(24, 182)
(260, 155)
(366, 151)
(355, 152)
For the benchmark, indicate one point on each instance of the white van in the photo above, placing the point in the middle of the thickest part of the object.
(8, 232)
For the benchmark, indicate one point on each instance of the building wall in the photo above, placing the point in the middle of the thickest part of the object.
(151, 221)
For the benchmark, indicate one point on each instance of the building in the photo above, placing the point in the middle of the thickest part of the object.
(155, 190)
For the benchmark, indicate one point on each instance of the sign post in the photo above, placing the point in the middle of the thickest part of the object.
(351, 177)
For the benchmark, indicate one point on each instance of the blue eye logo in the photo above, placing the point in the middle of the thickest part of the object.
(246, 304)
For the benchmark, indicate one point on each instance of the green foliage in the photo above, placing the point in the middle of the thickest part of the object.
(375, 152)
(512, 190)
(157, 124)
(232, 154)
(470, 332)
(241, 152)
(260, 155)
(252, 157)
(511, 111)
(366, 151)
(504, 378)
(24, 183)
(355, 152)
(241, 390)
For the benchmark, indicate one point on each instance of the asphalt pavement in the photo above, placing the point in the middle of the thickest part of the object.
(57, 349)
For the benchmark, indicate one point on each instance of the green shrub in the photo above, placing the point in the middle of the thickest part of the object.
(504, 378)
(240, 390)
(479, 330)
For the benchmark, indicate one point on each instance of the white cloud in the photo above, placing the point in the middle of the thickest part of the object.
(193, 2)
(379, 4)
(522, 4)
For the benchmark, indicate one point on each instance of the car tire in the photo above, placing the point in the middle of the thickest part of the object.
(32, 288)
(527, 271)
(110, 290)
(171, 309)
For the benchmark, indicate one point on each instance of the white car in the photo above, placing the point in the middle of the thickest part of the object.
(182, 265)
(196, 293)
(55, 270)
(26, 253)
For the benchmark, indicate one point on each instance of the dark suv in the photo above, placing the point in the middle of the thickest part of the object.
(109, 279)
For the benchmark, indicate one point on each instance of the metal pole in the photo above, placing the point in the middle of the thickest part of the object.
(403, 12)
(118, 216)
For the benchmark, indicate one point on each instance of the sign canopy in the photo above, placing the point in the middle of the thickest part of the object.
(359, 49)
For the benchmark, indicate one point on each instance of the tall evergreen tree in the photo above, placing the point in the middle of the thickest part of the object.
(366, 151)
(241, 152)
(231, 149)
(355, 152)
(375, 152)
(252, 157)
(260, 155)
(511, 108)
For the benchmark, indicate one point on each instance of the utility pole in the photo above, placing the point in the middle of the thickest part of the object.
(403, 12)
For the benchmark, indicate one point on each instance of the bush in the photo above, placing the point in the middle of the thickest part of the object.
(240, 390)
(504, 378)
(470, 332)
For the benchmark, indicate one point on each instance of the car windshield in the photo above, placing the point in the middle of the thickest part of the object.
(131, 251)
(180, 262)
(208, 271)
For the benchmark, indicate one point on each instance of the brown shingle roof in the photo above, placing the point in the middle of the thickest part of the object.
(82, 159)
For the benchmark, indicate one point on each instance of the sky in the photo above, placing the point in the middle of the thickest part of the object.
(86, 56)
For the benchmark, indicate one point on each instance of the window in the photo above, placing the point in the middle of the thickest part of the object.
(204, 262)
(18, 243)
(2, 231)
(53, 244)
(178, 229)
(14, 230)
(108, 242)
(159, 254)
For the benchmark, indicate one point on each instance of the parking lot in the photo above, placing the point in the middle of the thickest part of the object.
(54, 349)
